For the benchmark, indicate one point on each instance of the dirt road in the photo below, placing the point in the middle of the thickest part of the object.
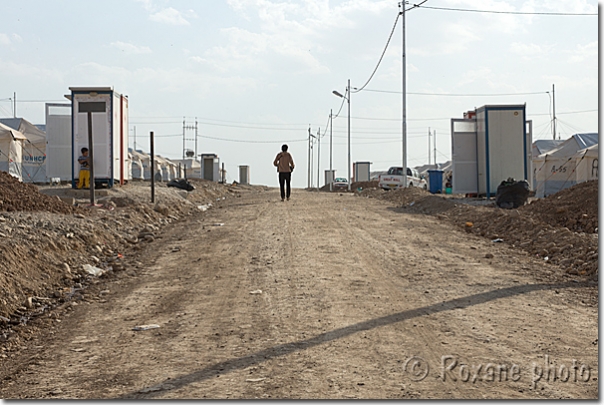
(325, 296)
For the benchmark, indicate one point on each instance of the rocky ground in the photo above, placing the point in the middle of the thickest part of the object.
(327, 296)
(50, 250)
(561, 229)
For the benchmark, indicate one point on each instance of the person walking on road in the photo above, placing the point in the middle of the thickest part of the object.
(285, 166)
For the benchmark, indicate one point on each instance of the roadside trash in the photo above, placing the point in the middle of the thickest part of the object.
(218, 224)
(95, 271)
(182, 184)
(412, 203)
(255, 379)
(469, 226)
(498, 240)
(512, 193)
(204, 207)
(145, 327)
(255, 292)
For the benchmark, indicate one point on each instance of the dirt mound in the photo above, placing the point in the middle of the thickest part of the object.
(575, 208)
(44, 253)
(363, 185)
(17, 196)
(560, 229)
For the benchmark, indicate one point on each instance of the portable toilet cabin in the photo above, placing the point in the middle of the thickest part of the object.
(362, 171)
(244, 175)
(210, 167)
(58, 141)
(108, 110)
(489, 146)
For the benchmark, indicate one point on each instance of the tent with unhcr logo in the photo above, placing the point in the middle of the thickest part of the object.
(34, 149)
(11, 151)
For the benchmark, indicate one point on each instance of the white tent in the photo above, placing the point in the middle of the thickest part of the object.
(138, 169)
(34, 149)
(587, 164)
(11, 150)
(555, 170)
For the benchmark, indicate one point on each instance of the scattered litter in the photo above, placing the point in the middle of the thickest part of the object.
(412, 203)
(498, 240)
(255, 379)
(218, 224)
(95, 271)
(79, 350)
(145, 327)
(256, 292)
(204, 207)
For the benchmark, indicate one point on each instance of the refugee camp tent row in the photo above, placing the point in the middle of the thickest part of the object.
(556, 169)
(34, 149)
(11, 151)
(137, 168)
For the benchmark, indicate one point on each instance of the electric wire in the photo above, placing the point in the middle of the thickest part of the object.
(508, 12)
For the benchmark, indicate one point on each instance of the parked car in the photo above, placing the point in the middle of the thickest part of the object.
(394, 179)
(340, 183)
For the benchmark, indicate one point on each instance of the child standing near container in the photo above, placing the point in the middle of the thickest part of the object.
(83, 160)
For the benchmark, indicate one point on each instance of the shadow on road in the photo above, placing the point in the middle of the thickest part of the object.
(287, 348)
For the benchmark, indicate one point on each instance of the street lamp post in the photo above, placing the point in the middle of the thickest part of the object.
(348, 100)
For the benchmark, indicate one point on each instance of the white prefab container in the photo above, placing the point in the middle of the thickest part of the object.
(330, 176)
(362, 171)
(109, 133)
(503, 146)
(58, 141)
(490, 146)
(210, 167)
(244, 175)
(464, 156)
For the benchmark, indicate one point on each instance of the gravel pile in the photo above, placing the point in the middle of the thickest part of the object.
(18, 196)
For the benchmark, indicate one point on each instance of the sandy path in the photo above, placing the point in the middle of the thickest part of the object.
(354, 294)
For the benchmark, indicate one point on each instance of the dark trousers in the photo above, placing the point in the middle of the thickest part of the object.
(285, 178)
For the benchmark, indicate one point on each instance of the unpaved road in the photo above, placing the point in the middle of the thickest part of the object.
(357, 300)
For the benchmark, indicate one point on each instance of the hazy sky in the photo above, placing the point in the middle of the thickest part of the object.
(257, 73)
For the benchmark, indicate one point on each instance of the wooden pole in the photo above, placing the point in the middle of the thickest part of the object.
(152, 169)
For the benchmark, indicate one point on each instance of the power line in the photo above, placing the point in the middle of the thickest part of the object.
(458, 95)
(382, 56)
(509, 12)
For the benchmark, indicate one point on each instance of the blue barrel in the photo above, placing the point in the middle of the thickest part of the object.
(435, 177)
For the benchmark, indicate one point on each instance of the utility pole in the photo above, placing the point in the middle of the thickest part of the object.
(402, 5)
(308, 161)
(135, 138)
(435, 164)
(349, 164)
(195, 138)
(184, 124)
(330, 149)
(319, 158)
(429, 147)
(554, 110)
(15, 104)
